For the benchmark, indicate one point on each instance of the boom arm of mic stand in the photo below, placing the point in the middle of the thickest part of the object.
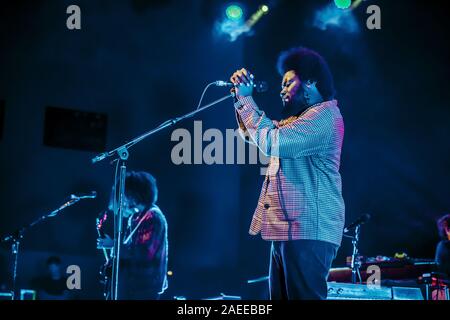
(122, 151)
(18, 234)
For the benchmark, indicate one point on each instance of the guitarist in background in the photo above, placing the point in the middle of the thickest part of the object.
(443, 248)
(442, 259)
(144, 249)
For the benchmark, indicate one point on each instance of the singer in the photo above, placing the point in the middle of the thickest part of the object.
(300, 209)
(144, 250)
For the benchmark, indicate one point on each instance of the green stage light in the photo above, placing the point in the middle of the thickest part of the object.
(343, 4)
(234, 12)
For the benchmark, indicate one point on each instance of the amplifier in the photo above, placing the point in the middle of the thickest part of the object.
(349, 291)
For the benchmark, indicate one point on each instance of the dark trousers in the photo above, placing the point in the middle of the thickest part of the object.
(299, 269)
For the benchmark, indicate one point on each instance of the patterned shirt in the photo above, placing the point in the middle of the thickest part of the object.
(301, 197)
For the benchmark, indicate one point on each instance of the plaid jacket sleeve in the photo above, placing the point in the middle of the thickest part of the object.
(243, 132)
(307, 135)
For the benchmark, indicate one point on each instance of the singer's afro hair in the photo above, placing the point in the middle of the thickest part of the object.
(308, 65)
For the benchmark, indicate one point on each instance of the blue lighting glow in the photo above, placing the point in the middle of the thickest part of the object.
(331, 16)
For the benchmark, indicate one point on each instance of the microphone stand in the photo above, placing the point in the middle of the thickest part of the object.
(355, 263)
(122, 153)
(18, 235)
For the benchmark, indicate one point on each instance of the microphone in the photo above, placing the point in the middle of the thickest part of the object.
(90, 195)
(361, 220)
(260, 86)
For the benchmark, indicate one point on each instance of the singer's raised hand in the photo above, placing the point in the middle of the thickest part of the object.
(243, 82)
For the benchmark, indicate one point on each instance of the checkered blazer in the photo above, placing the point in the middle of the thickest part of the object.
(301, 197)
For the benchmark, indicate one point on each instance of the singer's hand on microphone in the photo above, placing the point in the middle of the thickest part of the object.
(243, 83)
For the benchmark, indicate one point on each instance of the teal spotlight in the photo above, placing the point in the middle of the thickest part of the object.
(343, 4)
(234, 12)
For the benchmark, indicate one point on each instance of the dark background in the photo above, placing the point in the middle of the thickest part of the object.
(141, 62)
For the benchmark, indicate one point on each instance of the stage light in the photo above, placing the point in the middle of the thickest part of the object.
(234, 12)
(343, 4)
(234, 25)
(356, 3)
